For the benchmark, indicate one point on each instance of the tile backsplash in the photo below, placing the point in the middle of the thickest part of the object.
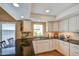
(73, 35)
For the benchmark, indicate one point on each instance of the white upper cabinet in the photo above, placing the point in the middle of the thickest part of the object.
(27, 26)
(55, 26)
(52, 26)
(69, 25)
(49, 26)
(72, 24)
(63, 26)
(77, 20)
(60, 26)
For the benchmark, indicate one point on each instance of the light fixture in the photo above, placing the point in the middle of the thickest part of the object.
(16, 4)
(22, 17)
(47, 11)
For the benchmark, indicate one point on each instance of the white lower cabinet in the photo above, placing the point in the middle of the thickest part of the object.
(67, 49)
(63, 48)
(41, 46)
(35, 46)
(74, 50)
(56, 44)
(53, 44)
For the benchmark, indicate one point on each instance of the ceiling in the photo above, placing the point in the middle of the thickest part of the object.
(36, 10)
(55, 8)
(4, 16)
(17, 12)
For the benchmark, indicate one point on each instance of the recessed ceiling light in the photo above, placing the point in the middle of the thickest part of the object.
(47, 11)
(16, 4)
(22, 16)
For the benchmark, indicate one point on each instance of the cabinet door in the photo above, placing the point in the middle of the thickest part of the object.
(43, 46)
(52, 44)
(57, 44)
(77, 26)
(61, 46)
(72, 24)
(55, 26)
(65, 25)
(64, 48)
(52, 26)
(49, 26)
(61, 26)
(74, 50)
(35, 46)
(27, 26)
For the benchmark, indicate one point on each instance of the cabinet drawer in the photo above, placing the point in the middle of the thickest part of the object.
(74, 53)
(74, 47)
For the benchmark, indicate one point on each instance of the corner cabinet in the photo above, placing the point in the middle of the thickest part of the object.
(27, 26)
(63, 47)
(52, 26)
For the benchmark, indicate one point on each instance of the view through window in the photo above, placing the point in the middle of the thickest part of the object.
(38, 30)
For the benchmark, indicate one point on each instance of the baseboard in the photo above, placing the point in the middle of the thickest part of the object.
(59, 52)
(44, 52)
(49, 52)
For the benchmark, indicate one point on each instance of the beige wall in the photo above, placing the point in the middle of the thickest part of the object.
(18, 30)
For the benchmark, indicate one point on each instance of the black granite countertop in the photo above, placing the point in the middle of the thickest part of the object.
(42, 38)
(47, 38)
(72, 41)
